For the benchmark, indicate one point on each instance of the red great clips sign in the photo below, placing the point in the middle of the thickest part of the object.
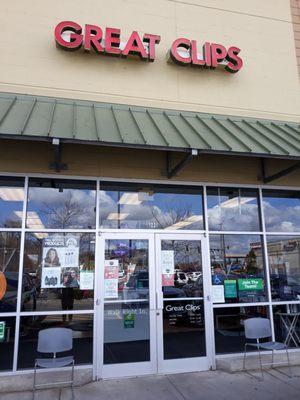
(108, 42)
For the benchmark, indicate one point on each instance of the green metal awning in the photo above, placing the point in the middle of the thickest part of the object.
(44, 118)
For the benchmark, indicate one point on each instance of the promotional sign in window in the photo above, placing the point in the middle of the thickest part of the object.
(60, 265)
(2, 331)
(218, 294)
(230, 288)
(250, 284)
(86, 280)
(129, 320)
(167, 267)
(111, 279)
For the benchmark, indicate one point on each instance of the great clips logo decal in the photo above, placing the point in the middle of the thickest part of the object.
(72, 36)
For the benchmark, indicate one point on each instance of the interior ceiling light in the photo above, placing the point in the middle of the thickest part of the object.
(236, 201)
(130, 199)
(33, 221)
(186, 222)
(117, 216)
(11, 194)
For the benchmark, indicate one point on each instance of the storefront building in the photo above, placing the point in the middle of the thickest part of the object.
(149, 180)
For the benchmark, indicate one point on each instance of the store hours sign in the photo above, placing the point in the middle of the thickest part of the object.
(71, 36)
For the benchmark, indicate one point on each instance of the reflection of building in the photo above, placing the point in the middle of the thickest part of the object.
(284, 256)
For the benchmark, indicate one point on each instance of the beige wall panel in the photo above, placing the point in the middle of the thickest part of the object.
(267, 86)
(275, 9)
(32, 157)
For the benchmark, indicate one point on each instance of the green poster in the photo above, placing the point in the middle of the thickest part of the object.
(129, 320)
(230, 289)
(250, 284)
(2, 331)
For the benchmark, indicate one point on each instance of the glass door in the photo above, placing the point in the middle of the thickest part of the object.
(183, 303)
(126, 310)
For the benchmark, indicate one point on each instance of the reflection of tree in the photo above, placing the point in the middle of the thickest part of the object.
(171, 216)
(187, 254)
(251, 263)
(12, 223)
(63, 216)
(9, 251)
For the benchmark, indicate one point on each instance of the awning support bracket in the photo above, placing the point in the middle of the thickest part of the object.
(277, 175)
(57, 165)
(172, 171)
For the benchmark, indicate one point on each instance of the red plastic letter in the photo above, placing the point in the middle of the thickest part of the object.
(92, 38)
(207, 54)
(175, 56)
(112, 41)
(218, 53)
(135, 46)
(235, 63)
(152, 40)
(75, 38)
(195, 60)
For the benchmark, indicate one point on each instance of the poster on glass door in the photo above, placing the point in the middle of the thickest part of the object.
(60, 262)
(111, 279)
(167, 267)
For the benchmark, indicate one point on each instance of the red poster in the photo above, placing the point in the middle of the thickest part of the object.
(167, 279)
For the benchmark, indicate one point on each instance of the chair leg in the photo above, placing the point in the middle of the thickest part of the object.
(34, 382)
(72, 380)
(288, 361)
(272, 358)
(244, 361)
(260, 362)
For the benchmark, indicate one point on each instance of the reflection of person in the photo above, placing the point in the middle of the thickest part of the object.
(67, 300)
(51, 259)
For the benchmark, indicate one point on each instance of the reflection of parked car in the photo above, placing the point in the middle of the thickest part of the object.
(172, 292)
(137, 286)
(180, 278)
(8, 303)
(194, 289)
(194, 275)
(285, 287)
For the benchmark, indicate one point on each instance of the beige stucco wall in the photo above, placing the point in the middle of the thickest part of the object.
(267, 86)
(108, 162)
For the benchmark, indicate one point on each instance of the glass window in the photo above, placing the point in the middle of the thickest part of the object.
(287, 324)
(126, 332)
(81, 325)
(184, 329)
(11, 202)
(282, 210)
(229, 327)
(237, 268)
(284, 266)
(61, 204)
(231, 209)
(185, 279)
(126, 272)
(58, 271)
(9, 270)
(150, 207)
(7, 338)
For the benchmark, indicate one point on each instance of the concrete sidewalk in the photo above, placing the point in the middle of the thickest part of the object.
(216, 385)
